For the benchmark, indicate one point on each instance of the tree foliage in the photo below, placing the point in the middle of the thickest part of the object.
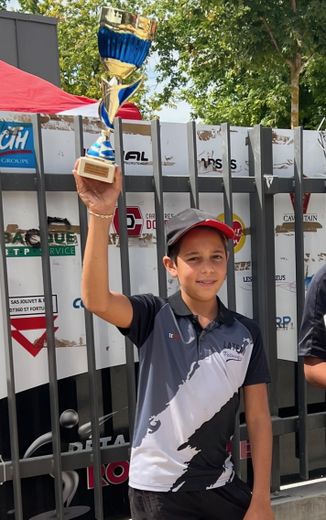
(78, 22)
(243, 61)
(3, 5)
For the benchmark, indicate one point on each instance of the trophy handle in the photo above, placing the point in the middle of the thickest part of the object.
(113, 97)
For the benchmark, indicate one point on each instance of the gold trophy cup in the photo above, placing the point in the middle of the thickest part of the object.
(124, 41)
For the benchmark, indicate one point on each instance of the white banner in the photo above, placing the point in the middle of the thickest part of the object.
(27, 311)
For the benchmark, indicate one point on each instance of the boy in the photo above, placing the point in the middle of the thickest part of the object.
(312, 337)
(195, 355)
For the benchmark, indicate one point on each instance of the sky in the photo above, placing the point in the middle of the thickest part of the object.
(12, 5)
(180, 114)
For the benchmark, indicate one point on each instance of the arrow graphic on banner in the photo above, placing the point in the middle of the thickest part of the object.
(30, 323)
(305, 201)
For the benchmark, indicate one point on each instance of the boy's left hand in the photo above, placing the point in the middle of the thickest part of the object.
(259, 510)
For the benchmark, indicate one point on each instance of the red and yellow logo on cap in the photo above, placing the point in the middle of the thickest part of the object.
(238, 227)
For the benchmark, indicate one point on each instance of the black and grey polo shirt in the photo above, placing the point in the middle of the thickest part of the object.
(188, 392)
(312, 336)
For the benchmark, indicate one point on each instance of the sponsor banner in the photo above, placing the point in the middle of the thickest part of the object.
(314, 220)
(30, 305)
(26, 290)
(27, 311)
(16, 145)
(135, 221)
(3, 378)
(59, 147)
(114, 474)
(22, 241)
(30, 251)
(35, 323)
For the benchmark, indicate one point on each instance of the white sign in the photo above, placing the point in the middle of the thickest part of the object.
(27, 310)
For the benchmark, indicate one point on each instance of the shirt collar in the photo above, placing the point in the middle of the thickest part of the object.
(180, 309)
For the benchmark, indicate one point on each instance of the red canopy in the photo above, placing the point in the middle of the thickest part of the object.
(21, 91)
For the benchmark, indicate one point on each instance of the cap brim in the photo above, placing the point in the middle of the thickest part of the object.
(226, 230)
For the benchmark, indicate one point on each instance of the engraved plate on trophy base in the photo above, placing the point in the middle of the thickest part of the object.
(98, 169)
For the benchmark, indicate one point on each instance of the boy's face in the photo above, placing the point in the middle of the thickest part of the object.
(201, 264)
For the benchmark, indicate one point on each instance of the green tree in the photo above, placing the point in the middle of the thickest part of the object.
(3, 5)
(78, 22)
(243, 61)
(30, 6)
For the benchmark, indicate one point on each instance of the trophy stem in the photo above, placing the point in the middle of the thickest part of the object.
(99, 161)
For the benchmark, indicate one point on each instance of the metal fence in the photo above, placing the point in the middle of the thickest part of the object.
(298, 422)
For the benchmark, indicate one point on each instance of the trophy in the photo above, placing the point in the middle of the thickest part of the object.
(124, 40)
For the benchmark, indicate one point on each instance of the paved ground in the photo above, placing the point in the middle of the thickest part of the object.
(306, 501)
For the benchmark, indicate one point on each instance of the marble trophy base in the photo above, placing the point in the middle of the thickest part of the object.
(98, 169)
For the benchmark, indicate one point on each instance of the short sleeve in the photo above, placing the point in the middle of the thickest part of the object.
(145, 307)
(312, 335)
(258, 370)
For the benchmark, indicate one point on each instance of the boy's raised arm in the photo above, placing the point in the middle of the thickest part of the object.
(100, 199)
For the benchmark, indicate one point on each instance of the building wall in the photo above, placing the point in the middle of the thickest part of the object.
(30, 43)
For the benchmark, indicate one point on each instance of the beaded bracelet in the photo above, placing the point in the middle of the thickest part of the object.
(100, 215)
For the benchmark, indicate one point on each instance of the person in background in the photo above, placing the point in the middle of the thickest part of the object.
(312, 335)
(195, 356)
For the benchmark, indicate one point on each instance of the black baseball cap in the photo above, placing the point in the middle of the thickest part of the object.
(190, 218)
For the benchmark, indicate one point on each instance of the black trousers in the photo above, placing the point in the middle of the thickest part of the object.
(229, 502)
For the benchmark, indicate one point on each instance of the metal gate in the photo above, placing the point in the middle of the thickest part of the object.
(305, 416)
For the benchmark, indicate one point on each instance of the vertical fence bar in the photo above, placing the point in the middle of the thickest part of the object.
(267, 162)
(192, 162)
(46, 274)
(263, 263)
(228, 208)
(159, 206)
(300, 296)
(90, 349)
(228, 217)
(125, 272)
(6, 330)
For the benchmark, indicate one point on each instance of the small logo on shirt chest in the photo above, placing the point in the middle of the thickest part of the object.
(230, 345)
(175, 336)
(235, 351)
